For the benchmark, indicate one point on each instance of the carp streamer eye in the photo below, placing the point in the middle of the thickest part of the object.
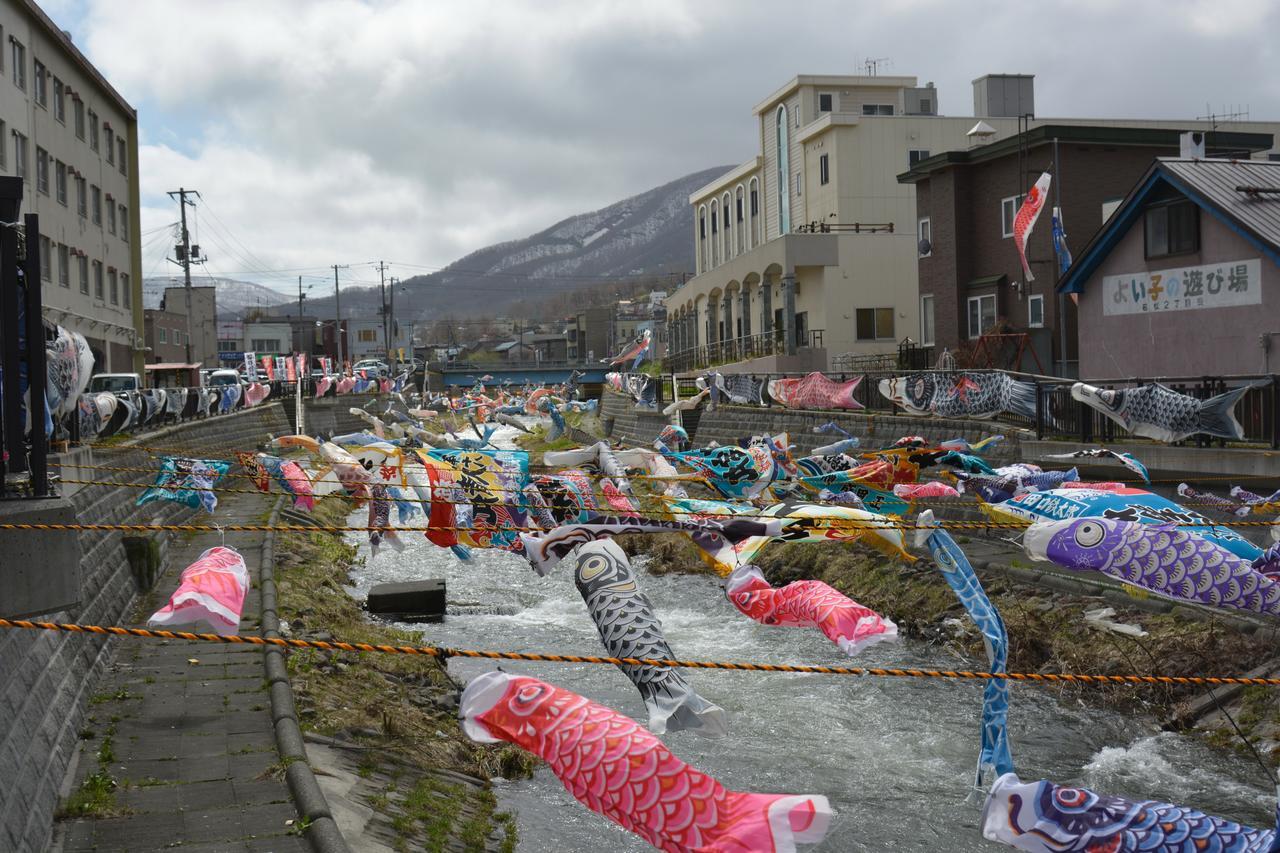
(592, 566)
(1088, 534)
(528, 697)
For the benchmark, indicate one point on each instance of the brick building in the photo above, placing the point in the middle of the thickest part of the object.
(969, 272)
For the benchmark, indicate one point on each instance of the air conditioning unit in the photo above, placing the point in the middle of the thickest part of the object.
(1191, 144)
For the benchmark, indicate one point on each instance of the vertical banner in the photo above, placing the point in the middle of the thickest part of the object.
(291, 370)
(280, 360)
(269, 367)
(346, 367)
(326, 364)
(303, 367)
(251, 366)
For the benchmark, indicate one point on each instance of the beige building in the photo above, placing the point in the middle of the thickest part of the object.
(74, 140)
(807, 253)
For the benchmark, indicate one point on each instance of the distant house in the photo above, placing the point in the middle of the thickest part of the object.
(532, 346)
(1184, 279)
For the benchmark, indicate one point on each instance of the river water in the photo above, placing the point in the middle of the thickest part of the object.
(894, 756)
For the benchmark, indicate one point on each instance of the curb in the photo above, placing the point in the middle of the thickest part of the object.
(322, 833)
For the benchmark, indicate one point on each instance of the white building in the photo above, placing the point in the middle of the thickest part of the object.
(367, 338)
(74, 141)
(808, 251)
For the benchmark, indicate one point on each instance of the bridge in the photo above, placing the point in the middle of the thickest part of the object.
(520, 372)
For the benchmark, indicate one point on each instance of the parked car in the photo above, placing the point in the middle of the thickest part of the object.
(373, 366)
(113, 382)
(225, 377)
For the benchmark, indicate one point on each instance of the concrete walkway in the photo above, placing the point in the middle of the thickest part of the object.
(185, 731)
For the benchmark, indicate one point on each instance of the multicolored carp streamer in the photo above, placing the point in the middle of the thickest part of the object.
(815, 391)
(1128, 460)
(568, 496)
(476, 497)
(323, 384)
(1257, 503)
(186, 481)
(380, 520)
(808, 604)
(961, 395)
(1158, 412)
(68, 366)
(965, 462)
(210, 593)
(629, 628)
(610, 764)
(672, 437)
(963, 446)
(950, 559)
(1216, 501)
(1121, 504)
(733, 472)
(1171, 562)
(1043, 817)
(291, 478)
(712, 535)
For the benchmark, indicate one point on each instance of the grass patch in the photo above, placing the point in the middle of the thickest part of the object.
(96, 796)
(435, 814)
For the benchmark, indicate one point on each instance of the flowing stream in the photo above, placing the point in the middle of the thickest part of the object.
(896, 757)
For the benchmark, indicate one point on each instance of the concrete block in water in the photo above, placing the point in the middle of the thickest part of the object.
(412, 601)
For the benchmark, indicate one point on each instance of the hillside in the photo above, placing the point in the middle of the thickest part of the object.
(233, 296)
(646, 236)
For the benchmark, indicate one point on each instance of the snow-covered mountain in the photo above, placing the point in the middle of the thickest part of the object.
(649, 235)
(233, 297)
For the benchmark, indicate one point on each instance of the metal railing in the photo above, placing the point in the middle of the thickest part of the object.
(1059, 415)
(820, 227)
(737, 349)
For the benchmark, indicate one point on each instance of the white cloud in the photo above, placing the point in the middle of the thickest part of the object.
(332, 130)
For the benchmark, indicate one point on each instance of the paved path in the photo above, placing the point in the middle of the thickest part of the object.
(192, 748)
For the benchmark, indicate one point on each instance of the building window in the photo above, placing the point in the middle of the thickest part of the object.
(40, 84)
(83, 263)
(162, 334)
(875, 324)
(177, 337)
(59, 101)
(109, 142)
(19, 155)
(782, 138)
(824, 170)
(64, 267)
(42, 170)
(124, 288)
(113, 287)
(124, 222)
(271, 344)
(46, 259)
(1008, 212)
(96, 195)
(926, 321)
(1172, 229)
(228, 346)
(982, 314)
(60, 181)
(111, 216)
(824, 102)
(926, 106)
(1035, 312)
(924, 237)
(877, 109)
(19, 64)
(97, 279)
(93, 125)
(368, 336)
(915, 155)
(122, 159)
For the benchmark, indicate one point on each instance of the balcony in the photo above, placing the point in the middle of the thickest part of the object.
(737, 349)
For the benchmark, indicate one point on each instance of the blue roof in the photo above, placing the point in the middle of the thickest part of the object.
(1216, 186)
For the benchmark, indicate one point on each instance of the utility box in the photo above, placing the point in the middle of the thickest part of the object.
(1004, 95)
(40, 570)
(414, 601)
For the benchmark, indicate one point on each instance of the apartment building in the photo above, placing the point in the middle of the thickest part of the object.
(74, 140)
(807, 253)
(970, 277)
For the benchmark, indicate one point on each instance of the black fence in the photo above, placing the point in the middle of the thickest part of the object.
(23, 453)
(738, 349)
(1058, 415)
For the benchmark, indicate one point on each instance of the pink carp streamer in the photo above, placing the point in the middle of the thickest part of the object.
(804, 604)
(211, 591)
(815, 391)
(616, 768)
(256, 393)
(933, 489)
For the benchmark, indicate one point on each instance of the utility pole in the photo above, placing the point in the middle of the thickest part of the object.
(337, 313)
(300, 297)
(386, 337)
(184, 255)
(391, 321)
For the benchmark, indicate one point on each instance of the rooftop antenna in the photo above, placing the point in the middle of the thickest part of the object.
(872, 66)
(1236, 114)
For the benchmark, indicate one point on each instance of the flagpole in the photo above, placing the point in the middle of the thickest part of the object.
(1057, 269)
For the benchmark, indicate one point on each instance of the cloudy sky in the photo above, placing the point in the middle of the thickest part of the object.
(335, 131)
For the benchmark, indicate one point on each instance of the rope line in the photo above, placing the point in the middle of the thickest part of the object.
(448, 652)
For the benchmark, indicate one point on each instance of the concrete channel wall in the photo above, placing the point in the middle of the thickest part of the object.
(48, 677)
